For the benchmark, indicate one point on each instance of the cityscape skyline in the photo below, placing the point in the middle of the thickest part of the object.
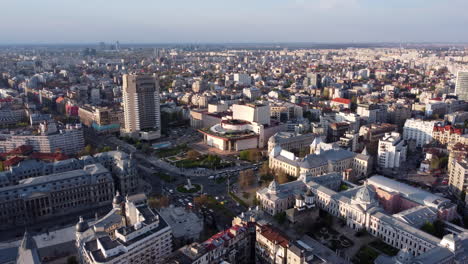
(208, 21)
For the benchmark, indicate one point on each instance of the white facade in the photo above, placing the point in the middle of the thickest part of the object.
(252, 113)
(461, 87)
(140, 234)
(69, 141)
(242, 79)
(418, 130)
(391, 151)
(358, 206)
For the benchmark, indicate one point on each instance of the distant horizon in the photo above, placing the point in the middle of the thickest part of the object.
(240, 21)
(96, 43)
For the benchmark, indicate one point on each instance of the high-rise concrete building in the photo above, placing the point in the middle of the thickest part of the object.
(458, 175)
(141, 106)
(461, 87)
(392, 151)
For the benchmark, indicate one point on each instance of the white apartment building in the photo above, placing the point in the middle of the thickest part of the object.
(391, 151)
(461, 87)
(69, 141)
(242, 79)
(458, 175)
(418, 130)
(130, 233)
(251, 93)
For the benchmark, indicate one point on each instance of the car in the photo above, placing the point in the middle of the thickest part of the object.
(211, 177)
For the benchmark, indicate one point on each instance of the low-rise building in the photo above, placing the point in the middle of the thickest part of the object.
(131, 232)
(445, 134)
(119, 163)
(322, 160)
(69, 140)
(366, 207)
(186, 226)
(291, 141)
(101, 119)
(271, 245)
(43, 197)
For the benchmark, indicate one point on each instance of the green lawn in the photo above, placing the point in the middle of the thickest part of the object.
(205, 161)
(237, 199)
(182, 189)
(162, 153)
(366, 255)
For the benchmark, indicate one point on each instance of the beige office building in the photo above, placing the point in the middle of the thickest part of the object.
(141, 106)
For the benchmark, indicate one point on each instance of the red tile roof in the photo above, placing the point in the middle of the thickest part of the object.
(274, 235)
(341, 100)
(12, 161)
(448, 128)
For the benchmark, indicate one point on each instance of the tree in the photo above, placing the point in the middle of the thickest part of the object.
(244, 155)
(280, 217)
(436, 229)
(353, 103)
(246, 178)
(201, 200)
(281, 177)
(265, 173)
(146, 148)
(326, 93)
(72, 260)
(88, 150)
(158, 202)
(254, 155)
(193, 155)
(435, 163)
(264, 169)
(105, 149)
(443, 162)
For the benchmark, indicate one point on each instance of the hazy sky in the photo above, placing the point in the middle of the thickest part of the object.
(201, 21)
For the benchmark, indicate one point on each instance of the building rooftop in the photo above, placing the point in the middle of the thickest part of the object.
(411, 193)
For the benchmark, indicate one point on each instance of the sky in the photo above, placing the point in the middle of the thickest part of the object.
(227, 21)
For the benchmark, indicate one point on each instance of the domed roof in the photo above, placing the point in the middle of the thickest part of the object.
(118, 199)
(404, 256)
(365, 194)
(299, 197)
(273, 186)
(82, 225)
